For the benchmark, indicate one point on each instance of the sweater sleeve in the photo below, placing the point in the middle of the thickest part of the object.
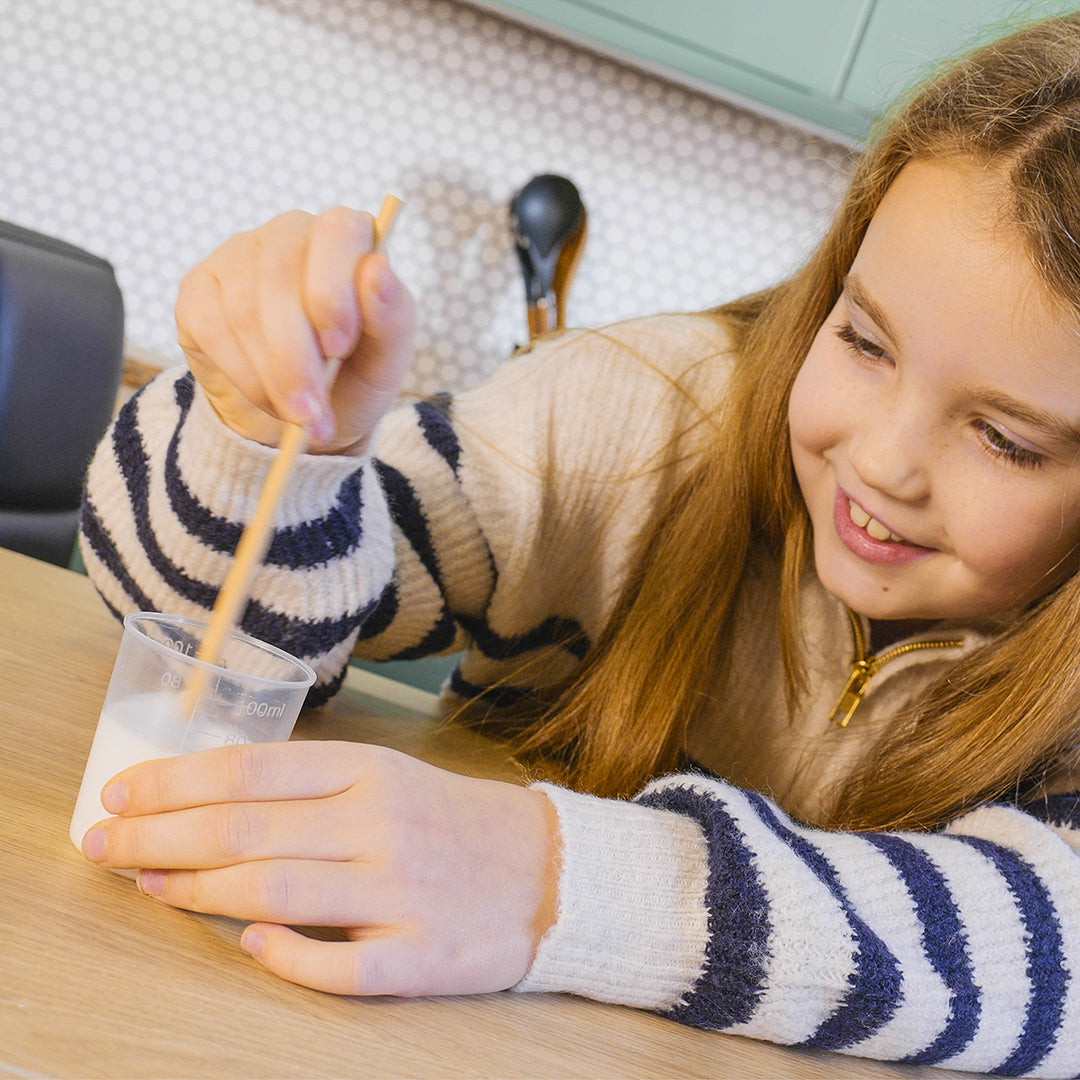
(499, 521)
(707, 903)
(171, 488)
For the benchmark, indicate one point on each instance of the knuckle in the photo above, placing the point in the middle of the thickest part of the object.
(125, 844)
(332, 309)
(365, 974)
(271, 892)
(287, 221)
(244, 770)
(235, 829)
(340, 217)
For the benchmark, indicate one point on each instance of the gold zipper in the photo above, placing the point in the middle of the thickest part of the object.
(865, 666)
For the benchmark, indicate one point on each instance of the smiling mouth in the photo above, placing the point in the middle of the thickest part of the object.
(872, 527)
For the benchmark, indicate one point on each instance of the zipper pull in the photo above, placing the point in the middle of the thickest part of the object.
(861, 673)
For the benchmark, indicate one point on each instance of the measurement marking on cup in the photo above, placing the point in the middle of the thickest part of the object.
(264, 709)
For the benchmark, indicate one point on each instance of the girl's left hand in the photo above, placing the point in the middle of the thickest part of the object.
(443, 884)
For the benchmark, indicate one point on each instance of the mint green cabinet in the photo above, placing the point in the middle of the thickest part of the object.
(828, 64)
(904, 40)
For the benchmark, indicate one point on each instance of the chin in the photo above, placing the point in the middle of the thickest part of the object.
(867, 598)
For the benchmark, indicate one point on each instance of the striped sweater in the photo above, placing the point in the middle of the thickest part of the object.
(501, 522)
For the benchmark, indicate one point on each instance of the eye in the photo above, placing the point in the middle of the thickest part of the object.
(1001, 446)
(857, 344)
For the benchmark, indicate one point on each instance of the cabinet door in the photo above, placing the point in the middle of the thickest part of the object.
(791, 56)
(831, 64)
(905, 39)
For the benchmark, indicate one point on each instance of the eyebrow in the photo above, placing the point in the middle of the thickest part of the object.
(857, 294)
(1049, 423)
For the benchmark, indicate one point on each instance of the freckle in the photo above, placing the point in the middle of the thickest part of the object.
(884, 588)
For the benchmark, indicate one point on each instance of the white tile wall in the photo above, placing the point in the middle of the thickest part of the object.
(150, 130)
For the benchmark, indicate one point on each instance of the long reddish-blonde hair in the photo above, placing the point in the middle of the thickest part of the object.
(1005, 715)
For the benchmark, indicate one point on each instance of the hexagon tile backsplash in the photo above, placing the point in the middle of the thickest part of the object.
(150, 132)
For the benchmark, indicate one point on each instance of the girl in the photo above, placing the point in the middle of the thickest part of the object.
(801, 573)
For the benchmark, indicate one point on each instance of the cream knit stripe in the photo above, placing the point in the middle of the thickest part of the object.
(878, 894)
(994, 944)
(456, 537)
(631, 919)
(1059, 869)
(221, 474)
(809, 958)
(993, 933)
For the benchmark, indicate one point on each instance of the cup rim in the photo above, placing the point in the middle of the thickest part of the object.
(132, 618)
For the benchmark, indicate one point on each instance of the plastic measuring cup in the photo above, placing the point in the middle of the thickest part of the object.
(253, 694)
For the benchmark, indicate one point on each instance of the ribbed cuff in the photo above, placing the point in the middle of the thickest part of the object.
(632, 925)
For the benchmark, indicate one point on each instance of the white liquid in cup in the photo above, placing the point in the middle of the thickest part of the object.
(129, 731)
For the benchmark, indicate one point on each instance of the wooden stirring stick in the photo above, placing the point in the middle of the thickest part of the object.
(255, 538)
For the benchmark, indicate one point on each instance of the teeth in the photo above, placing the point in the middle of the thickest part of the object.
(878, 531)
(871, 525)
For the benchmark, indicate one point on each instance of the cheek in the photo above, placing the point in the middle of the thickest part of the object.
(811, 409)
(1007, 541)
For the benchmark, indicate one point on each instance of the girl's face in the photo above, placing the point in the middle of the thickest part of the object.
(935, 424)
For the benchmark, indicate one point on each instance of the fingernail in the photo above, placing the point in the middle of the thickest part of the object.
(253, 941)
(115, 798)
(305, 406)
(93, 845)
(386, 285)
(151, 882)
(334, 343)
(309, 412)
(322, 430)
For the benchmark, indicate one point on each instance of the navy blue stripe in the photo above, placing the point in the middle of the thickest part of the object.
(435, 423)
(383, 614)
(101, 543)
(299, 636)
(944, 942)
(335, 535)
(1045, 957)
(500, 697)
(404, 507)
(554, 630)
(875, 985)
(409, 517)
(1063, 810)
(438, 639)
(732, 979)
(134, 466)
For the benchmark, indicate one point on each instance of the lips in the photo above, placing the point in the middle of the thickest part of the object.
(869, 539)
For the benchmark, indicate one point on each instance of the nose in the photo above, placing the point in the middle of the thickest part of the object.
(890, 454)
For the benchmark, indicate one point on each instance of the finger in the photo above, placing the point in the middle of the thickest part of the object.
(204, 332)
(373, 376)
(339, 238)
(248, 772)
(277, 336)
(298, 892)
(230, 832)
(378, 964)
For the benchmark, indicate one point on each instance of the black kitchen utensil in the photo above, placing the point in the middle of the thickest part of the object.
(548, 223)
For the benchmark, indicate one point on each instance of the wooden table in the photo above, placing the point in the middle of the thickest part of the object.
(97, 981)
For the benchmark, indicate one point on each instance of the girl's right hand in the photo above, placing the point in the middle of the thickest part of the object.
(260, 317)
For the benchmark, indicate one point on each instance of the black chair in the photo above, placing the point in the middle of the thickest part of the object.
(61, 360)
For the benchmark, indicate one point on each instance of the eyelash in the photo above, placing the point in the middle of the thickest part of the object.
(1003, 447)
(859, 345)
(995, 443)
